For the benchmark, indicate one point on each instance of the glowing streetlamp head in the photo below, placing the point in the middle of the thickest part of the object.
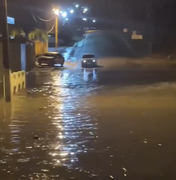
(71, 11)
(85, 10)
(64, 14)
(56, 11)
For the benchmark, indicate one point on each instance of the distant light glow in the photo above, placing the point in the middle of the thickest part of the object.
(56, 11)
(71, 11)
(64, 14)
(125, 30)
(84, 19)
(66, 19)
(85, 10)
(77, 5)
(93, 20)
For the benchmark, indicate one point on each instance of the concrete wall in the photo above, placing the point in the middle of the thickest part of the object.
(18, 54)
(30, 56)
(22, 57)
(15, 56)
(15, 61)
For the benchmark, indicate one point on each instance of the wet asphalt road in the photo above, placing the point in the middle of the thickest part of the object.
(92, 124)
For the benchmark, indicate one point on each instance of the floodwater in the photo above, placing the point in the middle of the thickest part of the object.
(93, 124)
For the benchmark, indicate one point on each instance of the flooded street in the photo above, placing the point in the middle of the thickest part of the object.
(91, 124)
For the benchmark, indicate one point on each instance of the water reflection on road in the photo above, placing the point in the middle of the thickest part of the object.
(76, 128)
(49, 126)
(89, 124)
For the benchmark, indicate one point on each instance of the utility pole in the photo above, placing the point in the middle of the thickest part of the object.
(56, 12)
(6, 59)
(56, 32)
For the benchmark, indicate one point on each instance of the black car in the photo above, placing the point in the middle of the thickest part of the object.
(50, 59)
(89, 60)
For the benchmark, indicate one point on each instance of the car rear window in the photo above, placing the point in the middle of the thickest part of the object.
(89, 56)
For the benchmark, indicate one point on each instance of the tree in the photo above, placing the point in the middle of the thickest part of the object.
(38, 34)
(17, 33)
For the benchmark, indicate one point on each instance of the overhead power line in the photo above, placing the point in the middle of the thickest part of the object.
(34, 18)
(51, 28)
(46, 20)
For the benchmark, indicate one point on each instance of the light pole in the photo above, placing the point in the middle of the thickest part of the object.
(56, 32)
(6, 59)
(56, 12)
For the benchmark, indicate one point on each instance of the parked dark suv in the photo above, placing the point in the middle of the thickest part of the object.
(50, 59)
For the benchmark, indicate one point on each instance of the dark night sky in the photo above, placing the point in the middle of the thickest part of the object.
(122, 9)
(154, 11)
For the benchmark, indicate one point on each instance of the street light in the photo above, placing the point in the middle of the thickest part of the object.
(93, 20)
(56, 11)
(71, 11)
(64, 14)
(77, 5)
(85, 10)
(125, 30)
(84, 19)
